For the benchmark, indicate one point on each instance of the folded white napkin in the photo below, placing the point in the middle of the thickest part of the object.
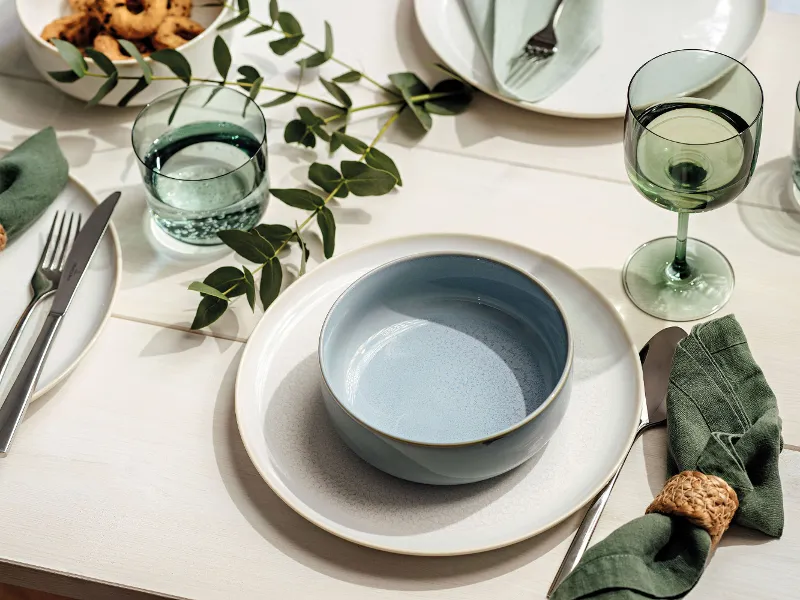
(502, 28)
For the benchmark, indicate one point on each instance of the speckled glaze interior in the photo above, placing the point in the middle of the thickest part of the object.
(444, 348)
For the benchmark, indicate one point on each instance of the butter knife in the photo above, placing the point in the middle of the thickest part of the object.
(15, 404)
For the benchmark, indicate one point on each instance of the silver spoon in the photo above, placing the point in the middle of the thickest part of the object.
(656, 357)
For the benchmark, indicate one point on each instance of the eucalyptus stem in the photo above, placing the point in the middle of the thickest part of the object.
(316, 49)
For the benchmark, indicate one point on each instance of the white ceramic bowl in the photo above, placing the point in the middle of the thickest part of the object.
(35, 14)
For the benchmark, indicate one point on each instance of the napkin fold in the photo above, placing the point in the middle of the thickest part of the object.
(503, 27)
(31, 176)
(722, 420)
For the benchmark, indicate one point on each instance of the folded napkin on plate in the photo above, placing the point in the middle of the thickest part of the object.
(31, 176)
(722, 420)
(503, 27)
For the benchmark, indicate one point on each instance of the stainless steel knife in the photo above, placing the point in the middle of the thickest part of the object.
(15, 404)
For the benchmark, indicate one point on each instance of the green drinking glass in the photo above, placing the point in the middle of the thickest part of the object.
(692, 131)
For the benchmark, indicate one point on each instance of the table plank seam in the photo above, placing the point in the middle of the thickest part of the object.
(181, 328)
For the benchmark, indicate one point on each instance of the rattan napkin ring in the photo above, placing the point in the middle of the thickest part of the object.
(704, 500)
(3, 238)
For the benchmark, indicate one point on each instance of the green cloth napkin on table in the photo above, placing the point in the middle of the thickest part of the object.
(502, 28)
(31, 176)
(722, 419)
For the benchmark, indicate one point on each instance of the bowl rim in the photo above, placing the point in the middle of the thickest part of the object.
(213, 26)
(556, 391)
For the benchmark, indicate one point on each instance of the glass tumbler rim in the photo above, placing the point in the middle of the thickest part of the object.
(756, 119)
(180, 91)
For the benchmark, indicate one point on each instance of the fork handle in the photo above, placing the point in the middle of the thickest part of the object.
(15, 404)
(16, 333)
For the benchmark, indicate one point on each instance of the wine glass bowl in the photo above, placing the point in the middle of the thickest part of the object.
(692, 132)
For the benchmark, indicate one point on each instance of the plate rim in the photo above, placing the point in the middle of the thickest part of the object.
(533, 106)
(249, 349)
(117, 280)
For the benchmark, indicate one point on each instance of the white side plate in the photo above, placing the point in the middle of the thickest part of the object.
(287, 434)
(634, 31)
(90, 308)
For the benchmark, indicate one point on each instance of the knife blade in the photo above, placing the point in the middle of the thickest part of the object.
(81, 254)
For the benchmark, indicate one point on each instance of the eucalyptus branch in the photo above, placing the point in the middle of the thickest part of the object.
(372, 173)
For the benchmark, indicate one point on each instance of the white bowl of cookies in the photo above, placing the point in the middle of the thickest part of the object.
(186, 25)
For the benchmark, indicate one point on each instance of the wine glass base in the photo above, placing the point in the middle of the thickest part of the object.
(653, 287)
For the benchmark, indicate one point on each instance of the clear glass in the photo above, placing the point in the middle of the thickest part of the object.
(796, 146)
(204, 164)
(692, 131)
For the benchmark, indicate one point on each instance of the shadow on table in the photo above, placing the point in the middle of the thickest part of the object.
(768, 208)
(482, 120)
(281, 527)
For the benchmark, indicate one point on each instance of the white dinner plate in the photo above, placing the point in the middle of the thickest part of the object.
(90, 307)
(634, 31)
(286, 431)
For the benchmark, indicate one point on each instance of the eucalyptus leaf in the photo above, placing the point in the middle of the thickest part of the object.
(71, 55)
(410, 85)
(349, 142)
(303, 252)
(274, 13)
(285, 45)
(250, 287)
(282, 99)
(298, 198)
(337, 92)
(209, 310)
(336, 142)
(177, 104)
(108, 85)
(315, 60)
(271, 277)
(133, 51)
(249, 246)
(328, 52)
(241, 17)
(255, 88)
(308, 117)
(289, 24)
(364, 180)
(213, 93)
(258, 30)
(328, 178)
(348, 77)
(64, 76)
(222, 57)
(228, 280)
(204, 288)
(327, 226)
(248, 74)
(175, 62)
(140, 85)
(102, 61)
(454, 104)
(376, 158)
(297, 131)
(243, 4)
(275, 234)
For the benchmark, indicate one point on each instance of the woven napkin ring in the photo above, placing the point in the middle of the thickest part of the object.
(3, 238)
(704, 500)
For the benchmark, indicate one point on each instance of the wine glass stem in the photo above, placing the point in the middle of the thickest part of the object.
(679, 268)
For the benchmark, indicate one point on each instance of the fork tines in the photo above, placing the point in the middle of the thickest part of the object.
(55, 253)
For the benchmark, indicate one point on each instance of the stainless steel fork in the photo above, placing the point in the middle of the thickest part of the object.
(540, 46)
(46, 278)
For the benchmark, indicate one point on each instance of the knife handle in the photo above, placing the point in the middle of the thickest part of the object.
(589, 523)
(15, 404)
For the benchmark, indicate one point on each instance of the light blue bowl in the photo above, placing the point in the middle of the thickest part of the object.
(445, 368)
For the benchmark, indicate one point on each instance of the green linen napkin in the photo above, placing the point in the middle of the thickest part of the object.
(722, 419)
(502, 27)
(31, 176)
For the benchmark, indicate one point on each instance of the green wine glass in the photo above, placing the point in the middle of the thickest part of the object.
(692, 130)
